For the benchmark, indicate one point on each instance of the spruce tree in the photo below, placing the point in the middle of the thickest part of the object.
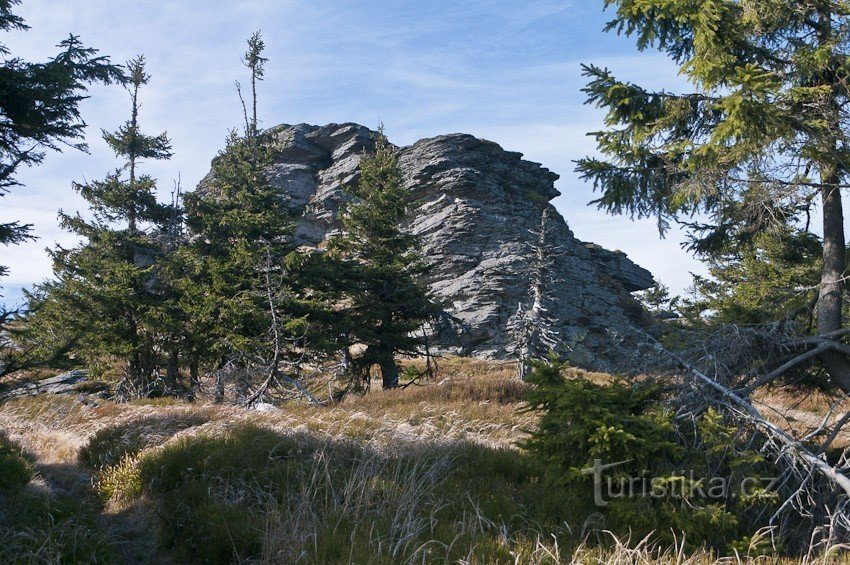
(767, 280)
(387, 304)
(240, 226)
(765, 126)
(103, 290)
(39, 107)
(237, 223)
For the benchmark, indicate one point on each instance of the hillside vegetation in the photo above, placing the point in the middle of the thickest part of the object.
(424, 474)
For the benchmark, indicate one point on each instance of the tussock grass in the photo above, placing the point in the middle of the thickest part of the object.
(110, 444)
(35, 528)
(16, 470)
(38, 526)
(428, 474)
(241, 491)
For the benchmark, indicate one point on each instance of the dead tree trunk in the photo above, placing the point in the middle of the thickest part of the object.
(743, 408)
(532, 327)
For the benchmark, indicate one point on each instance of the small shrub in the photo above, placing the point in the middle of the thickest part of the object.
(121, 481)
(15, 469)
(627, 425)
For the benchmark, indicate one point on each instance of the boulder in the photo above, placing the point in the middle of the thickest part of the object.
(478, 211)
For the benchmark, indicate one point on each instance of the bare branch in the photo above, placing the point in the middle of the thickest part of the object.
(742, 407)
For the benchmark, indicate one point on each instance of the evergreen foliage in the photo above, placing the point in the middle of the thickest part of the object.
(213, 282)
(663, 467)
(766, 280)
(39, 106)
(104, 290)
(387, 305)
(240, 227)
(763, 134)
(236, 288)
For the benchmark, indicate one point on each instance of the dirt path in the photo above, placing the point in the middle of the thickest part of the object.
(129, 530)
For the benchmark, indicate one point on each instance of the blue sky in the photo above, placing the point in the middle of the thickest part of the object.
(508, 71)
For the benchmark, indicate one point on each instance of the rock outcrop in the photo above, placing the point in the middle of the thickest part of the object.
(477, 210)
(65, 383)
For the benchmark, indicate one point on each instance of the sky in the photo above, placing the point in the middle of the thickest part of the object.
(507, 71)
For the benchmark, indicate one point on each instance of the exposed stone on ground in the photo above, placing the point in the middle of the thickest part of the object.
(476, 207)
(63, 383)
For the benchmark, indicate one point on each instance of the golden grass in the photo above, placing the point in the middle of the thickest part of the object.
(472, 404)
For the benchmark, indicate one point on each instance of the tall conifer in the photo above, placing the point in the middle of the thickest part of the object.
(240, 229)
(386, 302)
(104, 289)
(766, 123)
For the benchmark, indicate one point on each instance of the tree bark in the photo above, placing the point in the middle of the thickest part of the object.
(834, 245)
(172, 372)
(220, 378)
(831, 283)
(389, 370)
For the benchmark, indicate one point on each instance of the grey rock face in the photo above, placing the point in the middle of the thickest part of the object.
(475, 208)
(60, 384)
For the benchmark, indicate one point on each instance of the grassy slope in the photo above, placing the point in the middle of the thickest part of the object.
(424, 474)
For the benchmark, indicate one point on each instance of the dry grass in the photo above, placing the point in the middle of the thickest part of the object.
(426, 474)
(800, 412)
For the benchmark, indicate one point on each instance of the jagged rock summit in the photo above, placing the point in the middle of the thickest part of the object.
(478, 211)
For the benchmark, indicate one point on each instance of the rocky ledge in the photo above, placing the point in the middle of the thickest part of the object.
(478, 210)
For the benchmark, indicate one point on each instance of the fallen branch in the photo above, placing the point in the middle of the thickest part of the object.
(834, 434)
(823, 346)
(785, 367)
(816, 339)
(743, 407)
(299, 386)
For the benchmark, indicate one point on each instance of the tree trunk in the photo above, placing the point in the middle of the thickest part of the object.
(134, 373)
(220, 378)
(194, 382)
(389, 370)
(219, 386)
(831, 284)
(242, 382)
(172, 372)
